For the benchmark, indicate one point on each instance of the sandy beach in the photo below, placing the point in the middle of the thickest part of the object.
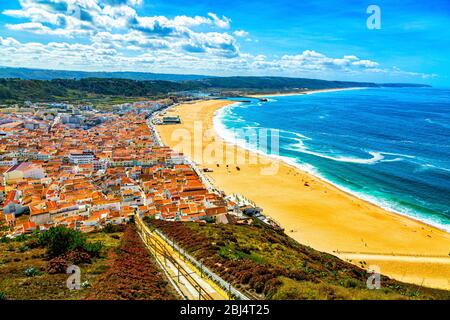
(313, 211)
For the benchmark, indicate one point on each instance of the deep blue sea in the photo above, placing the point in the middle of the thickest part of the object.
(390, 146)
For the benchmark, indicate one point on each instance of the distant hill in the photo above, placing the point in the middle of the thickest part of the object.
(19, 90)
(43, 74)
(284, 83)
(205, 81)
(278, 83)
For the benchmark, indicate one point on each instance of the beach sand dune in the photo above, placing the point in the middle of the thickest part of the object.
(314, 212)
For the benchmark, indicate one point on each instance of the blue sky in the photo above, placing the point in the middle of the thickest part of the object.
(318, 39)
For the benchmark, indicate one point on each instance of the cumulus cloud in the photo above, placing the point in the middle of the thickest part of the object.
(120, 2)
(312, 60)
(158, 55)
(223, 23)
(365, 63)
(240, 33)
(94, 18)
(111, 35)
(133, 40)
(39, 28)
(191, 21)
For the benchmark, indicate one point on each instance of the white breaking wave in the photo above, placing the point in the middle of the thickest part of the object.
(437, 123)
(399, 154)
(428, 166)
(376, 156)
(298, 135)
(229, 136)
(299, 146)
(392, 160)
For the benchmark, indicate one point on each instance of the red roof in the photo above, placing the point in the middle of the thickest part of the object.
(29, 226)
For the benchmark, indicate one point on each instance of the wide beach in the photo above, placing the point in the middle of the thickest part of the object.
(313, 211)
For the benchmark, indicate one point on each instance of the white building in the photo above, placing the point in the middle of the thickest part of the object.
(25, 170)
(8, 163)
(85, 157)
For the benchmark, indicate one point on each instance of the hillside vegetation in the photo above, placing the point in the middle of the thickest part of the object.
(46, 74)
(133, 274)
(33, 267)
(114, 265)
(18, 90)
(270, 265)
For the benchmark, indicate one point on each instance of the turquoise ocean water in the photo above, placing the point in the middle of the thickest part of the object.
(390, 146)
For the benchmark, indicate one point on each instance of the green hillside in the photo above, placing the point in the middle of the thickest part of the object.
(19, 90)
(270, 265)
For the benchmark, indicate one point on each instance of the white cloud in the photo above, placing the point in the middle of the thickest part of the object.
(366, 63)
(112, 52)
(134, 39)
(191, 21)
(111, 35)
(240, 33)
(39, 28)
(351, 57)
(95, 18)
(223, 23)
(133, 3)
(9, 42)
(312, 60)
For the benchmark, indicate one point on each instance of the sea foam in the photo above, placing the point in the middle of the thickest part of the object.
(304, 144)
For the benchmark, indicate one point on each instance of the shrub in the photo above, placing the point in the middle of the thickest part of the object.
(350, 283)
(93, 248)
(111, 228)
(23, 248)
(32, 271)
(78, 257)
(2, 295)
(4, 239)
(57, 265)
(21, 238)
(271, 287)
(33, 243)
(60, 240)
(61, 263)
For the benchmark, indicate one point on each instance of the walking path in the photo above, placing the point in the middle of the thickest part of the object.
(191, 282)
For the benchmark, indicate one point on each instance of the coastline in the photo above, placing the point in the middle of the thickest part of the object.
(287, 94)
(291, 162)
(322, 215)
